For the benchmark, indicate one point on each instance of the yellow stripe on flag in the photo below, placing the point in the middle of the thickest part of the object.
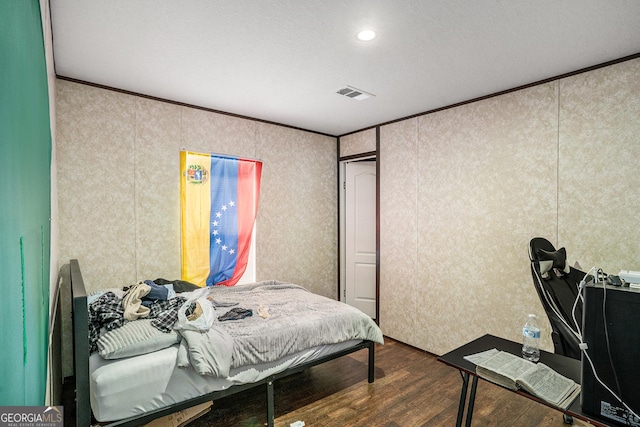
(195, 194)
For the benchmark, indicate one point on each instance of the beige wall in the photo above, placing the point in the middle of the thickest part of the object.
(358, 143)
(118, 183)
(599, 167)
(399, 286)
(462, 191)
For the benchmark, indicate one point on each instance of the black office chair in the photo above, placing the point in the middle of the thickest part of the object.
(557, 285)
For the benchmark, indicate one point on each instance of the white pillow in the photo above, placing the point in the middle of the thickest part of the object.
(134, 338)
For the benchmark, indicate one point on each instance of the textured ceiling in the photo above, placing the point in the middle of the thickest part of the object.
(284, 60)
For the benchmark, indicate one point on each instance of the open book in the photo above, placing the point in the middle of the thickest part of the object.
(513, 372)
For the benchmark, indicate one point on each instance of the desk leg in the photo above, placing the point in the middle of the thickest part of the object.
(472, 399)
(463, 398)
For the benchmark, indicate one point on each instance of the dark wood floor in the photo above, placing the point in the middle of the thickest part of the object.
(411, 389)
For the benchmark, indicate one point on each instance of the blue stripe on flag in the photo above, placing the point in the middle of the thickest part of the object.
(224, 219)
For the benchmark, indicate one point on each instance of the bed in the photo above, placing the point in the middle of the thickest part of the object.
(130, 391)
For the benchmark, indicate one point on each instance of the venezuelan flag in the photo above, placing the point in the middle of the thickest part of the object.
(219, 203)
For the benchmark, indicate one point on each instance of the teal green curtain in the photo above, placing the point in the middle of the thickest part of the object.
(25, 205)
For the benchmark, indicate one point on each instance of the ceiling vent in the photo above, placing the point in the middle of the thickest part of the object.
(354, 93)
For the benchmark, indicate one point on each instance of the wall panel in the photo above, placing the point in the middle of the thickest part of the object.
(399, 284)
(96, 132)
(218, 133)
(599, 167)
(297, 219)
(487, 179)
(157, 191)
(358, 143)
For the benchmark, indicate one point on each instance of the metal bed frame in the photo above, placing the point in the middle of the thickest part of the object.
(80, 316)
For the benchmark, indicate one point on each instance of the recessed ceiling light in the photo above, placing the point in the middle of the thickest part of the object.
(366, 35)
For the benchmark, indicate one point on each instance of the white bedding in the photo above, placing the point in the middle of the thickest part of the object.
(123, 388)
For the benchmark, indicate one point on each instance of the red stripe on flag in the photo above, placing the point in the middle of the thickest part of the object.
(249, 174)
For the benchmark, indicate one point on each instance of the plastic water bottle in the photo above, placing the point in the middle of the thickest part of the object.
(531, 339)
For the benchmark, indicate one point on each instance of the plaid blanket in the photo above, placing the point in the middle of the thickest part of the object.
(107, 312)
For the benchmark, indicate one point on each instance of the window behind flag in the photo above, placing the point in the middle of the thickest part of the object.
(219, 203)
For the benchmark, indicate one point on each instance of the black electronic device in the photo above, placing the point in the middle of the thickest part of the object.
(614, 280)
(614, 351)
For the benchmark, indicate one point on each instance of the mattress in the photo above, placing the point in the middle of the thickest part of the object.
(123, 388)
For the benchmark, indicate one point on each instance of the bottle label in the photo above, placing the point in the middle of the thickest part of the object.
(531, 332)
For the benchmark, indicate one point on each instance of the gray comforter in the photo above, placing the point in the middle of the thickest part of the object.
(298, 320)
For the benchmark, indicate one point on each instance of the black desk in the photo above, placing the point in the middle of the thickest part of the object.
(566, 366)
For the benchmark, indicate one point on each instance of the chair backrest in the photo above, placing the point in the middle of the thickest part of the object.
(557, 285)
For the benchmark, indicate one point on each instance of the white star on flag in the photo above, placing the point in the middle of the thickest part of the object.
(218, 223)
